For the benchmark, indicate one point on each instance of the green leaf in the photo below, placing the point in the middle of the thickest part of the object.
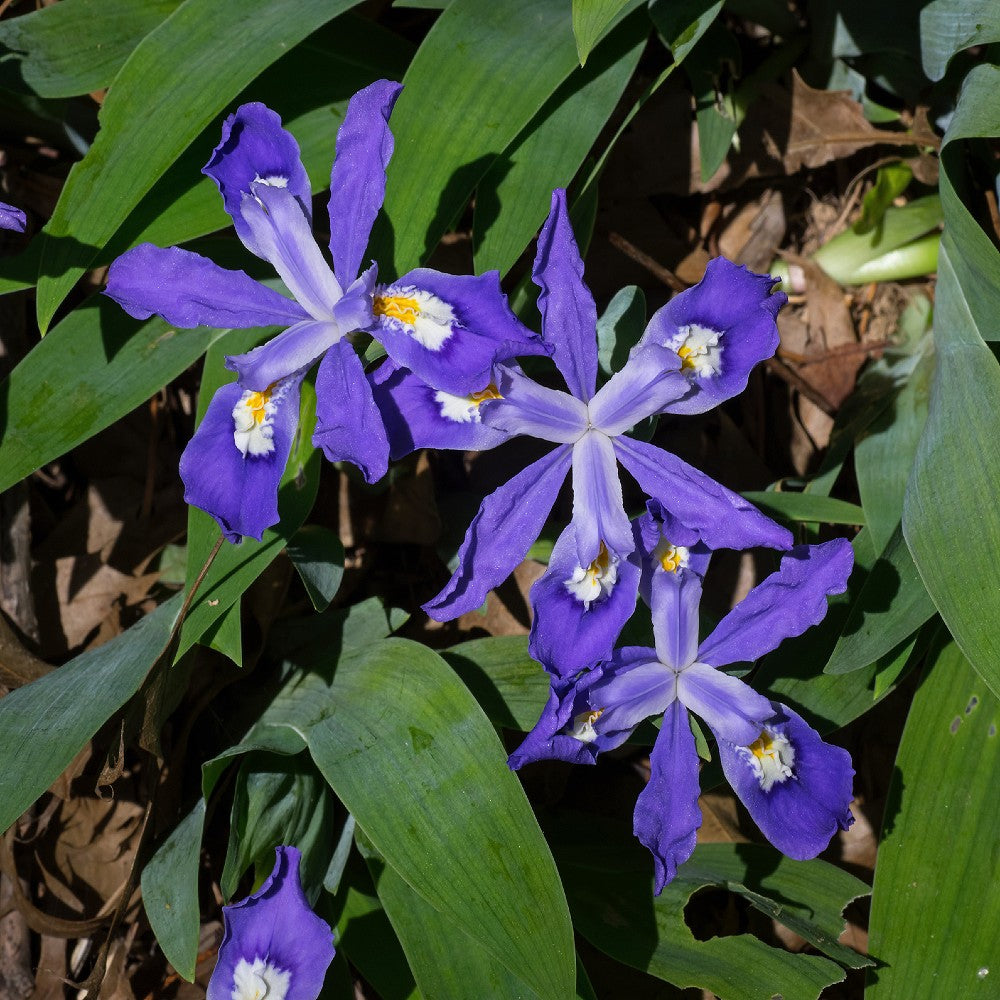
(607, 878)
(44, 724)
(892, 605)
(948, 26)
(237, 566)
(509, 685)
(116, 367)
(590, 19)
(890, 182)
(447, 122)
(937, 857)
(955, 473)
(681, 23)
(512, 199)
(226, 635)
(710, 66)
(78, 46)
(172, 85)
(808, 507)
(318, 555)
(620, 327)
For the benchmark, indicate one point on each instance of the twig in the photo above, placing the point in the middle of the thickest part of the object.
(841, 351)
(644, 260)
(796, 381)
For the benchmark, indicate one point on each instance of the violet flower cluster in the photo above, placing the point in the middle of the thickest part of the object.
(451, 380)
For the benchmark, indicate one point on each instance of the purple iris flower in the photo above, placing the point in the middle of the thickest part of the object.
(274, 945)
(12, 218)
(697, 351)
(796, 787)
(449, 330)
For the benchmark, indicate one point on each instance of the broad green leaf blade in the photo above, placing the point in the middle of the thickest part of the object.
(619, 328)
(512, 199)
(808, 507)
(173, 84)
(318, 555)
(681, 23)
(77, 46)
(948, 26)
(115, 367)
(44, 724)
(590, 18)
(608, 881)
(446, 809)
(447, 122)
(956, 472)
(225, 635)
(170, 892)
(892, 605)
(237, 566)
(937, 860)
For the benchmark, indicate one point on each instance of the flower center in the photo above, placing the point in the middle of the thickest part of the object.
(699, 349)
(597, 580)
(259, 980)
(426, 318)
(465, 409)
(771, 757)
(582, 726)
(671, 557)
(253, 419)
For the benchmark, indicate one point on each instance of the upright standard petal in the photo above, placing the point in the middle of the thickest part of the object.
(290, 352)
(667, 816)
(348, 424)
(648, 383)
(282, 234)
(796, 787)
(664, 544)
(255, 148)
(674, 602)
(569, 316)
(503, 530)
(785, 604)
(721, 328)
(232, 466)
(357, 181)
(451, 330)
(598, 509)
(524, 407)
(12, 218)
(274, 945)
(723, 518)
(417, 416)
(733, 709)
(578, 611)
(189, 290)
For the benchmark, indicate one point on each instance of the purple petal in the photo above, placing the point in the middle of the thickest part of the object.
(289, 353)
(674, 601)
(663, 544)
(634, 686)
(348, 423)
(451, 330)
(525, 407)
(274, 936)
(733, 709)
(647, 383)
(417, 416)
(282, 235)
(598, 508)
(722, 327)
(723, 518)
(667, 816)
(569, 316)
(549, 739)
(803, 809)
(238, 487)
(784, 605)
(357, 181)
(567, 632)
(189, 290)
(12, 218)
(255, 147)
(503, 530)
